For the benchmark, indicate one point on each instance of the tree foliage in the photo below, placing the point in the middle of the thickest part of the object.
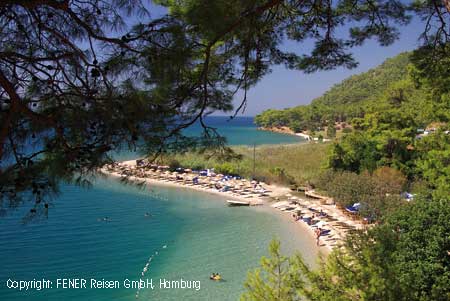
(79, 79)
(433, 164)
(378, 193)
(278, 279)
(406, 129)
(405, 258)
(344, 101)
(411, 96)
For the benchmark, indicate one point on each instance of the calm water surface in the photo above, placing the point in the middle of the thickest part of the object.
(189, 235)
(238, 131)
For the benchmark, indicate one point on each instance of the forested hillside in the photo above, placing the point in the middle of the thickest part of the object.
(399, 114)
(394, 161)
(350, 98)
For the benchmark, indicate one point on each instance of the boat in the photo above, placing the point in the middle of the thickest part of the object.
(215, 277)
(234, 203)
(314, 195)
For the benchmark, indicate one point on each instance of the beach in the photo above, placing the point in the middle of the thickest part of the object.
(104, 232)
(255, 199)
(287, 131)
(308, 214)
(189, 234)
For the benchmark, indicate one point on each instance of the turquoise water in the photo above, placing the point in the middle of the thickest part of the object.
(242, 131)
(194, 234)
(238, 131)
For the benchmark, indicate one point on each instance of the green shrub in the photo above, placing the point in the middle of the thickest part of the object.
(173, 164)
(227, 168)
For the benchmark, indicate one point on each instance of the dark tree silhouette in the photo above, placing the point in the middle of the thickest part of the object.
(80, 79)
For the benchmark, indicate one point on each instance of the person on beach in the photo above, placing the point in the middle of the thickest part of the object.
(318, 233)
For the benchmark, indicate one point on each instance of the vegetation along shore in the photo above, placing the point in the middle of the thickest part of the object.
(380, 188)
(334, 223)
(81, 81)
(388, 163)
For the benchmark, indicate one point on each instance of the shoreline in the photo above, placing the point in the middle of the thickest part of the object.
(273, 191)
(270, 196)
(287, 131)
(177, 185)
(297, 228)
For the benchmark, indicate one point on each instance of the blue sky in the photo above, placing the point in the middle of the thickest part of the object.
(287, 88)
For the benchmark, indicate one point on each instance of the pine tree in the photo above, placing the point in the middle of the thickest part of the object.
(278, 279)
(331, 130)
(79, 79)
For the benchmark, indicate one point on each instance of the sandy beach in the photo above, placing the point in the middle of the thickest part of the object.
(257, 198)
(306, 214)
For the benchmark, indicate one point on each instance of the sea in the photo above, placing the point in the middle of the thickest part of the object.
(97, 243)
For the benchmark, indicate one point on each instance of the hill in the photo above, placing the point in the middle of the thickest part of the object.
(344, 101)
(357, 90)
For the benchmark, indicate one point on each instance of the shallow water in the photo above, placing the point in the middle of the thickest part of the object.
(201, 234)
(194, 234)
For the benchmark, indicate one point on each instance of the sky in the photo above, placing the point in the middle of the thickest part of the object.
(285, 88)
